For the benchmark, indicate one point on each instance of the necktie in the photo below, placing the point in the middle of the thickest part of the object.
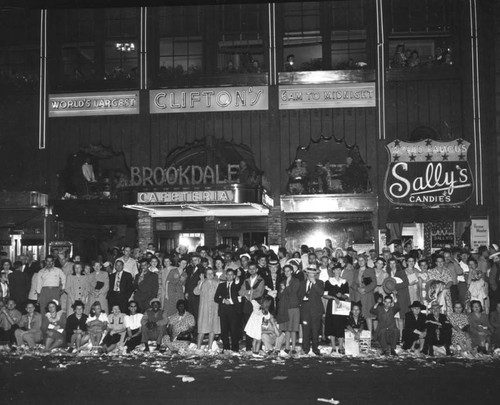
(117, 281)
(229, 290)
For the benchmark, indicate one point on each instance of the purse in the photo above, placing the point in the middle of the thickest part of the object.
(99, 285)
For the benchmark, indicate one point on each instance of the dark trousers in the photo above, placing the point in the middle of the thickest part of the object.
(433, 339)
(193, 308)
(462, 292)
(230, 326)
(248, 339)
(409, 338)
(388, 338)
(134, 342)
(454, 294)
(8, 336)
(311, 326)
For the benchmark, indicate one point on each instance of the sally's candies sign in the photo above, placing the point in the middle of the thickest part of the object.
(428, 173)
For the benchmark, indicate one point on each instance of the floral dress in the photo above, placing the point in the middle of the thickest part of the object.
(459, 338)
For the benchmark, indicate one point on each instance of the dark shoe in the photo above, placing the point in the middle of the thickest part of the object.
(146, 347)
(448, 351)
(393, 352)
(317, 352)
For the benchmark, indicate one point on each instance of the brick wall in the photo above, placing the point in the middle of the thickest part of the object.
(276, 226)
(144, 230)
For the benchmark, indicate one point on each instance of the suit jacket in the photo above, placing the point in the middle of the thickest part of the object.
(221, 294)
(31, 268)
(192, 280)
(412, 323)
(147, 289)
(126, 285)
(315, 294)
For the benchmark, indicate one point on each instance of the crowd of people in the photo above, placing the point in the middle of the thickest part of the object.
(407, 58)
(255, 301)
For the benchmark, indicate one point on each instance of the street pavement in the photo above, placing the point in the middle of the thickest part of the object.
(164, 379)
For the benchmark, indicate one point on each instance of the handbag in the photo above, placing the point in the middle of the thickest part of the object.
(99, 285)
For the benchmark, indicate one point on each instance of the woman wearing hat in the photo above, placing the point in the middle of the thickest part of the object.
(171, 284)
(414, 329)
(364, 285)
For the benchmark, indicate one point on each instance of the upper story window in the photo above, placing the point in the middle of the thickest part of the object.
(422, 34)
(180, 43)
(348, 34)
(94, 49)
(20, 50)
(242, 37)
(302, 38)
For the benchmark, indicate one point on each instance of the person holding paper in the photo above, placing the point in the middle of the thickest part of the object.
(338, 308)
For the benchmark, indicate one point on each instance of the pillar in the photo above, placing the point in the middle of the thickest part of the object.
(145, 230)
(276, 226)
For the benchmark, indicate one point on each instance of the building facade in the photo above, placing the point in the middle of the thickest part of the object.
(361, 121)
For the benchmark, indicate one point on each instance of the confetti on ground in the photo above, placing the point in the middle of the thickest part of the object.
(280, 377)
(377, 366)
(329, 401)
(162, 370)
(187, 379)
(329, 373)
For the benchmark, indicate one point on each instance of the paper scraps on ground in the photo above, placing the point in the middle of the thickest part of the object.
(162, 370)
(185, 378)
(329, 401)
(280, 377)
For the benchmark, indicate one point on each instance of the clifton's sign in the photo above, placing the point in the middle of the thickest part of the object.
(428, 173)
(183, 175)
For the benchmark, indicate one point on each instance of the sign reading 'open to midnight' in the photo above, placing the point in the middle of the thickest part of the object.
(428, 173)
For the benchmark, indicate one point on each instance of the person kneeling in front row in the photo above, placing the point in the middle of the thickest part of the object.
(438, 331)
(414, 329)
(30, 328)
(387, 332)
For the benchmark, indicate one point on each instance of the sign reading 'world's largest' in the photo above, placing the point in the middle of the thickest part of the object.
(428, 173)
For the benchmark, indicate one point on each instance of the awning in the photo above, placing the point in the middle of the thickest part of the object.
(202, 210)
(422, 215)
(328, 203)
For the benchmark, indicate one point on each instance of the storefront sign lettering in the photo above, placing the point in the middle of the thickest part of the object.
(81, 104)
(428, 173)
(183, 175)
(331, 96)
(186, 196)
(479, 232)
(208, 100)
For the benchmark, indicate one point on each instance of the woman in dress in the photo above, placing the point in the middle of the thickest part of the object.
(96, 323)
(76, 288)
(53, 326)
(336, 291)
(402, 292)
(76, 327)
(380, 275)
(98, 286)
(154, 265)
(459, 334)
(479, 327)
(208, 317)
(288, 308)
(440, 274)
(413, 279)
(364, 284)
(171, 285)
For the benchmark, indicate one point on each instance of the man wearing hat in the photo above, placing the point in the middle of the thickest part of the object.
(311, 310)
(153, 324)
(297, 272)
(387, 332)
(438, 331)
(414, 330)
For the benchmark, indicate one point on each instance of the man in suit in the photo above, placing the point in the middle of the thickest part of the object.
(438, 330)
(121, 287)
(19, 284)
(311, 310)
(29, 266)
(387, 332)
(414, 330)
(194, 270)
(229, 311)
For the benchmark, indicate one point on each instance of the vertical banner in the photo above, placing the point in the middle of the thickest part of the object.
(479, 232)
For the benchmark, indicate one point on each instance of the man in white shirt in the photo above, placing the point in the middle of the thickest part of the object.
(129, 263)
(50, 284)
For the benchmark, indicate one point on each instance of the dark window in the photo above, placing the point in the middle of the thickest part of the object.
(302, 40)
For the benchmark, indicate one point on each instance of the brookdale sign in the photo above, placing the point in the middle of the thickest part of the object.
(428, 173)
(183, 175)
